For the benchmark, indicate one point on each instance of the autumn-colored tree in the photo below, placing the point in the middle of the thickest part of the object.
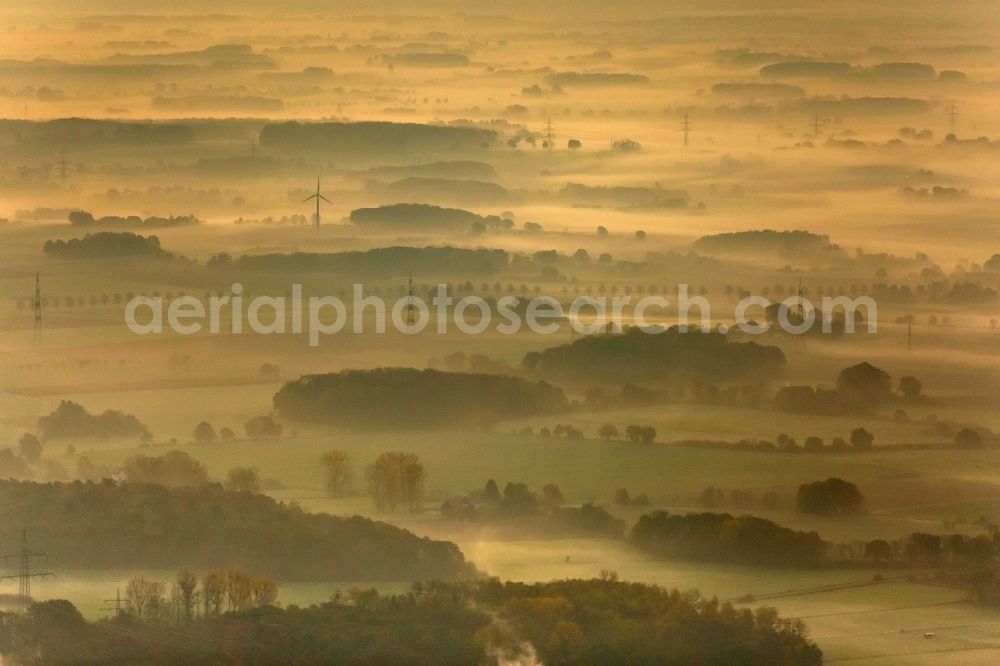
(239, 590)
(213, 591)
(396, 477)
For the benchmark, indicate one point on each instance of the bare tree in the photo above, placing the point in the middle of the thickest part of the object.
(144, 597)
(339, 474)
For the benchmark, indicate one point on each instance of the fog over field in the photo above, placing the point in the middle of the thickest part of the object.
(517, 333)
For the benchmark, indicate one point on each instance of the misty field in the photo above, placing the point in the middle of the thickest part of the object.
(698, 170)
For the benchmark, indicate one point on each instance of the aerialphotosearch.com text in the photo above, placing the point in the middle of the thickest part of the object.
(318, 316)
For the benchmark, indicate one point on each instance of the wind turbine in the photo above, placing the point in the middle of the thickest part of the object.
(317, 197)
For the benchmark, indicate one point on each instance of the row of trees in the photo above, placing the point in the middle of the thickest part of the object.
(633, 433)
(220, 591)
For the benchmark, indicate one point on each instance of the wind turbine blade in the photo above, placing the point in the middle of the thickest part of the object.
(324, 199)
(311, 196)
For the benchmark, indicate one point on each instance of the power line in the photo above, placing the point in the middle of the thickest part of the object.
(24, 574)
(117, 601)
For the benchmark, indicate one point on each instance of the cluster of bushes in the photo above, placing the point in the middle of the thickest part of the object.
(106, 525)
(600, 621)
(408, 398)
(638, 356)
(70, 419)
(106, 244)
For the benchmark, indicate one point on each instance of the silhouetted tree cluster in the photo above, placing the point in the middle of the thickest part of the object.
(106, 244)
(70, 419)
(919, 549)
(721, 537)
(108, 525)
(831, 496)
(82, 218)
(407, 398)
(624, 498)
(172, 469)
(859, 388)
(636, 356)
(263, 426)
(640, 434)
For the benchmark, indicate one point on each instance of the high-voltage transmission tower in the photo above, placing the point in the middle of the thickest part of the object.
(38, 308)
(410, 307)
(118, 608)
(686, 127)
(24, 572)
(952, 114)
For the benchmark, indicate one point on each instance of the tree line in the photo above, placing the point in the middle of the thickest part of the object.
(598, 621)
